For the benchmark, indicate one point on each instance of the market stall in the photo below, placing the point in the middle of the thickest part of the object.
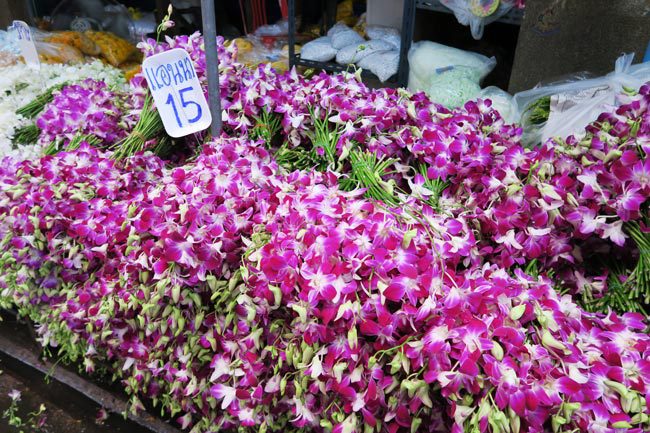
(236, 246)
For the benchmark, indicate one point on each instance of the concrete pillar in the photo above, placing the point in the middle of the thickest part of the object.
(560, 37)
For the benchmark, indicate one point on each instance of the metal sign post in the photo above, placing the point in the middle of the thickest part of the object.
(212, 63)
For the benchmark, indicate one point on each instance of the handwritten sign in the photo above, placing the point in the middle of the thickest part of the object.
(26, 44)
(177, 92)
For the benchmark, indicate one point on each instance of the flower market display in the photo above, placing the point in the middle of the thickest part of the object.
(341, 259)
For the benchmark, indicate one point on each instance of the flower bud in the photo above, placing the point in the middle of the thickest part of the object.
(277, 295)
(586, 162)
(515, 424)
(513, 189)
(352, 338)
(289, 354)
(551, 342)
(410, 110)
(569, 409)
(496, 419)
(497, 351)
(345, 152)
(618, 387)
(572, 200)
(613, 154)
(307, 355)
(599, 154)
(415, 424)
(640, 418)
(484, 409)
(517, 312)
(557, 422)
(622, 424)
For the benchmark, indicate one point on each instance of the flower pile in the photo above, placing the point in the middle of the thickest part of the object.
(345, 259)
(383, 323)
(524, 202)
(575, 207)
(346, 313)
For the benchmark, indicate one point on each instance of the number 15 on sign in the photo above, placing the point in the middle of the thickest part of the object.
(177, 92)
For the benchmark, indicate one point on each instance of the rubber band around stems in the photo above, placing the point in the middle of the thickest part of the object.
(139, 135)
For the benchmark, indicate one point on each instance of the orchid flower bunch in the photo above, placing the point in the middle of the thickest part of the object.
(128, 210)
(87, 108)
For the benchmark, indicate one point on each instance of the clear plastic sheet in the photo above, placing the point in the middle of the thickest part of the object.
(567, 106)
(502, 101)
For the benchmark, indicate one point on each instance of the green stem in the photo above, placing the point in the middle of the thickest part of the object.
(31, 109)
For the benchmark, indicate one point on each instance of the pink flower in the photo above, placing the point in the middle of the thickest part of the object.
(226, 394)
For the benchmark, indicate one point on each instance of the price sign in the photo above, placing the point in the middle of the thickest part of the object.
(177, 92)
(26, 44)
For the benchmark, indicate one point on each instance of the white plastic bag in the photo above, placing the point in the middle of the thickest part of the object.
(337, 28)
(383, 33)
(354, 53)
(9, 42)
(384, 64)
(641, 71)
(319, 50)
(565, 108)
(478, 13)
(346, 38)
(427, 58)
(448, 75)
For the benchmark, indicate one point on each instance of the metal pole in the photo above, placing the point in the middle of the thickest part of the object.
(292, 33)
(408, 28)
(212, 63)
